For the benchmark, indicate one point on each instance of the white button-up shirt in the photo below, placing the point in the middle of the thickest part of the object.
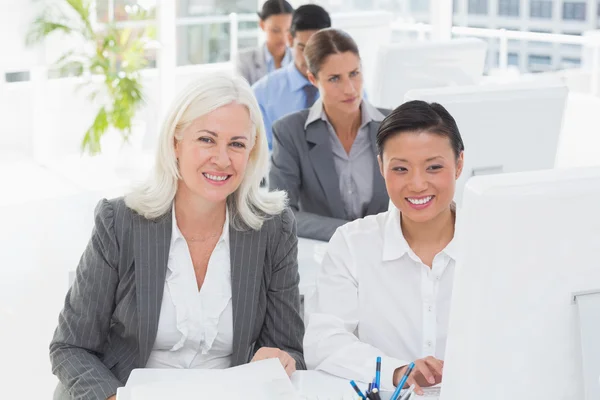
(375, 297)
(195, 328)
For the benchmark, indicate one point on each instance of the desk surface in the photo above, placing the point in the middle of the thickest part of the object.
(311, 385)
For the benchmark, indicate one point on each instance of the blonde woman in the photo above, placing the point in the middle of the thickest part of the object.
(197, 268)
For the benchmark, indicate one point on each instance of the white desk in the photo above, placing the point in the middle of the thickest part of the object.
(311, 385)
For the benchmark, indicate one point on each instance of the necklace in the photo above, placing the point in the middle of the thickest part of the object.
(201, 238)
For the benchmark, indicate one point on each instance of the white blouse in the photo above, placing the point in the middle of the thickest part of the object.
(375, 297)
(195, 328)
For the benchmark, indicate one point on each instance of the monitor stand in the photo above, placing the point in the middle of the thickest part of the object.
(588, 304)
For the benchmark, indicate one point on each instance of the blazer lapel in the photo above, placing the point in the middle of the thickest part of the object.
(380, 200)
(321, 158)
(247, 260)
(152, 240)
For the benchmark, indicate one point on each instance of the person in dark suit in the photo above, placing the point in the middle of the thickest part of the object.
(196, 268)
(275, 20)
(325, 157)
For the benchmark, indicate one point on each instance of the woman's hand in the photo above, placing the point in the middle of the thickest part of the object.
(271, 352)
(112, 397)
(427, 372)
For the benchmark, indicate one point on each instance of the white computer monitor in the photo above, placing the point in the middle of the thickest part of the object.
(370, 30)
(527, 242)
(505, 128)
(401, 67)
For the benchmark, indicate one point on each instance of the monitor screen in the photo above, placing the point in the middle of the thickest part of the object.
(402, 67)
(527, 242)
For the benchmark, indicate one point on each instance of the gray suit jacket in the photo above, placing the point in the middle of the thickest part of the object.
(302, 164)
(110, 318)
(251, 64)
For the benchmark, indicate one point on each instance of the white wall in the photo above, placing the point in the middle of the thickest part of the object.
(57, 115)
(15, 17)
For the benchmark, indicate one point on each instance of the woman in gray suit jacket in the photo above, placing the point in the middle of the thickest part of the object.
(275, 20)
(325, 157)
(197, 268)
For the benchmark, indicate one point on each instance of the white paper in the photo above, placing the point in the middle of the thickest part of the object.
(258, 380)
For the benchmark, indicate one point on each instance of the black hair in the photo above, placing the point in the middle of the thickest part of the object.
(325, 43)
(417, 115)
(309, 17)
(275, 7)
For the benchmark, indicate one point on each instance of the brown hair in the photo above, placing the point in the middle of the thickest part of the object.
(325, 43)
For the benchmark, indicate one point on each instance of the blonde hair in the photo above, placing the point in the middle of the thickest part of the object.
(249, 206)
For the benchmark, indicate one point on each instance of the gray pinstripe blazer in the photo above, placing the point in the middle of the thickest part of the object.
(110, 318)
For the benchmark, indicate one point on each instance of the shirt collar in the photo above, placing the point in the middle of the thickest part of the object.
(394, 243)
(267, 54)
(451, 248)
(176, 233)
(269, 60)
(368, 113)
(296, 80)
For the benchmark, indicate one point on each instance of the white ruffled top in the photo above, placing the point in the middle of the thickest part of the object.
(195, 328)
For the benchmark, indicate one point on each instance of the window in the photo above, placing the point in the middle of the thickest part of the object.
(455, 6)
(209, 42)
(202, 44)
(539, 63)
(418, 6)
(540, 44)
(571, 46)
(574, 11)
(478, 7)
(570, 62)
(511, 59)
(20, 76)
(194, 8)
(508, 8)
(540, 9)
(125, 10)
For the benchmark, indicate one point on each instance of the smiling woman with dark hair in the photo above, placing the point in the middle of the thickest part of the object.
(385, 285)
(324, 157)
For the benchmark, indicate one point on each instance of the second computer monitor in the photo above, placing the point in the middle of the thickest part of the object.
(400, 67)
(505, 128)
(527, 243)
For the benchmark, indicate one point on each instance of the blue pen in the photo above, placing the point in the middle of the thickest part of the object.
(378, 373)
(357, 390)
(396, 393)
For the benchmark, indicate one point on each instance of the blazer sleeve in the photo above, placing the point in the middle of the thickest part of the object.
(241, 66)
(285, 174)
(83, 324)
(283, 327)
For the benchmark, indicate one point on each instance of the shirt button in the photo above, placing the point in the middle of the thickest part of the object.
(429, 343)
(430, 308)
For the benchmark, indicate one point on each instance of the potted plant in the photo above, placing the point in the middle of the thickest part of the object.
(110, 62)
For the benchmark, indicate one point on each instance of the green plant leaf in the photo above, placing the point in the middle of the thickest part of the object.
(118, 55)
(91, 140)
(43, 28)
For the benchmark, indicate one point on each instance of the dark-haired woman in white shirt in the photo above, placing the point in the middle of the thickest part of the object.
(385, 285)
